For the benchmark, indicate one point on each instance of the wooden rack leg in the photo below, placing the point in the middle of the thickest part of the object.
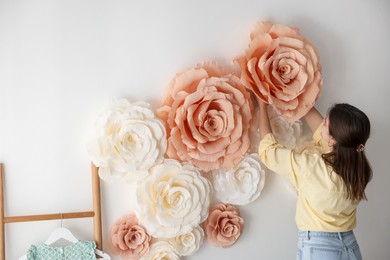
(2, 225)
(96, 213)
(97, 219)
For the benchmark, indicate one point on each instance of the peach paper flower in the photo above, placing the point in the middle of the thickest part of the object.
(282, 68)
(128, 238)
(223, 226)
(208, 114)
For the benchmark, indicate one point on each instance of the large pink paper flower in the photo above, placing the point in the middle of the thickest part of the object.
(223, 226)
(128, 238)
(208, 114)
(282, 68)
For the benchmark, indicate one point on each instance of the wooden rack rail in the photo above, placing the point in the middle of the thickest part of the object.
(95, 214)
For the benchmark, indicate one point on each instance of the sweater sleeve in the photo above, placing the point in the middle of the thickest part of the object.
(281, 160)
(295, 165)
(319, 141)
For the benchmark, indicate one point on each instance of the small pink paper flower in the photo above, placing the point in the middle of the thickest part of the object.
(223, 226)
(128, 238)
(208, 114)
(282, 68)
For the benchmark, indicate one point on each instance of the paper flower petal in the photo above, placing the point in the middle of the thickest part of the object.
(208, 114)
(129, 140)
(128, 238)
(224, 225)
(161, 250)
(188, 243)
(282, 68)
(240, 185)
(287, 134)
(173, 199)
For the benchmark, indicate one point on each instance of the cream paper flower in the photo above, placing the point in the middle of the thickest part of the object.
(188, 243)
(242, 184)
(287, 134)
(173, 199)
(129, 141)
(161, 250)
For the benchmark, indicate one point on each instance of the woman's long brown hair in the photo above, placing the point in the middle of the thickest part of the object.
(350, 127)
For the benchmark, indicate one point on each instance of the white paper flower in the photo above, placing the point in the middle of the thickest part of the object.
(161, 250)
(242, 184)
(287, 134)
(129, 141)
(173, 199)
(188, 243)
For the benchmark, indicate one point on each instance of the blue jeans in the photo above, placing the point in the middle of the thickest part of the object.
(313, 245)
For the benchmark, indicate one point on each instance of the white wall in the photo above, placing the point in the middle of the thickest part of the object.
(61, 61)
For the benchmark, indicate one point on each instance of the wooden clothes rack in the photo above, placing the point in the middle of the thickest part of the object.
(95, 214)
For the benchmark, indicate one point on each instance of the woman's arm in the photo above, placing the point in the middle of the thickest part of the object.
(314, 119)
(274, 156)
(264, 125)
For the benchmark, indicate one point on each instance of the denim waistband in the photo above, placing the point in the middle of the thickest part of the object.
(339, 235)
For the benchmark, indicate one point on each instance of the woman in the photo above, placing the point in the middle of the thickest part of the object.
(330, 179)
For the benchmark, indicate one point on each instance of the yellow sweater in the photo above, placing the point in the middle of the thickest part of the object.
(321, 204)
